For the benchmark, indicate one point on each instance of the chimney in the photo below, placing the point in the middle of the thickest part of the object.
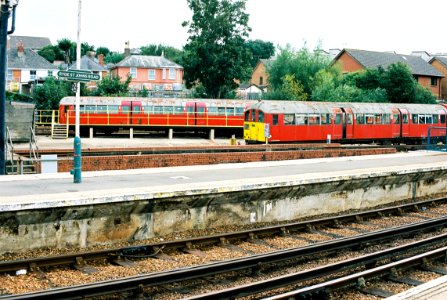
(20, 49)
(101, 59)
(91, 54)
(127, 49)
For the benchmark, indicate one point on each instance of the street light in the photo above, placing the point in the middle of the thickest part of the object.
(7, 7)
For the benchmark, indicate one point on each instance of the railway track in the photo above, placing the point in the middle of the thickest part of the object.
(254, 264)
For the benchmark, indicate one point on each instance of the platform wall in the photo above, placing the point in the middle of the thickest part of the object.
(161, 213)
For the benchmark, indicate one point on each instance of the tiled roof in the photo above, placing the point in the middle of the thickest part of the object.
(30, 42)
(371, 59)
(29, 60)
(146, 61)
(88, 63)
(441, 59)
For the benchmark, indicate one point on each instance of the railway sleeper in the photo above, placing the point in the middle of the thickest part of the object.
(82, 266)
(123, 262)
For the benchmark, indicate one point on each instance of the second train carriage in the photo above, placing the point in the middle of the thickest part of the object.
(300, 121)
(118, 112)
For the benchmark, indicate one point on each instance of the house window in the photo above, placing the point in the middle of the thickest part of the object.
(261, 80)
(171, 73)
(50, 73)
(151, 74)
(9, 75)
(434, 81)
(164, 74)
(133, 72)
(32, 75)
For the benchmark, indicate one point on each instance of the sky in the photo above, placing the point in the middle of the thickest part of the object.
(402, 26)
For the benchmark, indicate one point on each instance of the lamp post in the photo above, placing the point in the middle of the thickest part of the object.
(77, 157)
(6, 7)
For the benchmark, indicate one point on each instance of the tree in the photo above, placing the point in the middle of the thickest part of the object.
(303, 65)
(111, 85)
(48, 95)
(260, 50)
(216, 54)
(103, 50)
(68, 48)
(169, 52)
(51, 53)
(113, 58)
(399, 83)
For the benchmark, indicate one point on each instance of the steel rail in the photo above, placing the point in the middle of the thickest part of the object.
(135, 283)
(325, 288)
(220, 239)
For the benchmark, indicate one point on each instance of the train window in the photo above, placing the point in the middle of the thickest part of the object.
(168, 109)
(136, 109)
(404, 119)
(201, 110)
(101, 109)
(314, 119)
(81, 108)
(190, 109)
(230, 111)
(414, 119)
(443, 119)
(421, 119)
(396, 119)
(360, 118)
(377, 119)
(247, 116)
(337, 119)
(350, 118)
(221, 111)
(369, 119)
(239, 111)
(428, 119)
(300, 119)
(435, 119)
(178, 110)
(125, 109)
(112, 109)
(275, 119)
(326, 119)
(260, 116)
(212, 110)
(148, 109)
(386, 119)
(289, 119)
(158, 110)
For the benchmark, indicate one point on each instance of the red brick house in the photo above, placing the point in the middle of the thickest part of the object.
(352, 60)
(154, 73)
(440, 63)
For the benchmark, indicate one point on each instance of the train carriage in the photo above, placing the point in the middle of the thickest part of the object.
(109, 113)
(300, 121)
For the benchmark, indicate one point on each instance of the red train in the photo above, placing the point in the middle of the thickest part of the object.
(299, 121)
(110, 113)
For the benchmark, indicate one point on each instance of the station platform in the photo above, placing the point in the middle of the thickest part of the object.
(37, 191)
(432, 290)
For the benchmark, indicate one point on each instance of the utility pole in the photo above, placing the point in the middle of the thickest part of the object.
(6, 7)
(77, 157)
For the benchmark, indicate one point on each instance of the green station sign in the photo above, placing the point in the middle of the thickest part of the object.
(78, 75)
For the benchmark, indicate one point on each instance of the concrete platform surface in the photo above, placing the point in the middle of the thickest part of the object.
(20, 192)
(432, 290)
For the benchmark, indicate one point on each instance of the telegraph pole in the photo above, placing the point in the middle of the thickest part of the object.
(6, 8)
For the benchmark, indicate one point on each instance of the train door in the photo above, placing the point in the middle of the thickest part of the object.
(200, 110)
(396, 124)
(190, 113)
(405, 119)
(348, 123)
(126, 108)
(136, 112)
(337, 123)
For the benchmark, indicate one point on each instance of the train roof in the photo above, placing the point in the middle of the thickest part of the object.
(152, 101)
(314, 107)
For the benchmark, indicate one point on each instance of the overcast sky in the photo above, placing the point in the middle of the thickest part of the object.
(379, 25)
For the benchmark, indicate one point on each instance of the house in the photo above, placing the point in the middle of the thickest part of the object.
(25, 67)
(249, 91)
(259, 77)
(90, 63)
(352, 60)
(29, 42)
(154, 73)
(440, 63)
